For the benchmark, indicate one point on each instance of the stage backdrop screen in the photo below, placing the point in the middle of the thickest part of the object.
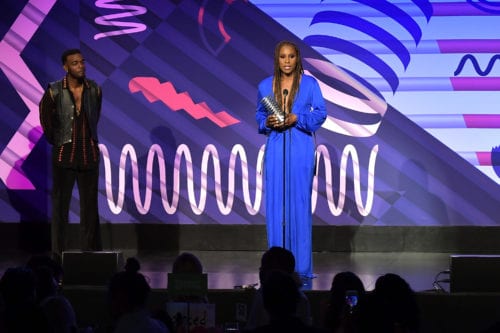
(411, 139)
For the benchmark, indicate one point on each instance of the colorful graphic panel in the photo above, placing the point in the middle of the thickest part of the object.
(410, 91)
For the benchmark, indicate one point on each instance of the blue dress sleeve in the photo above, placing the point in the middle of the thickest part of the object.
(313, 114)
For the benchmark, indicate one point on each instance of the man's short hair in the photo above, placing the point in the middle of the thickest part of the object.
(67, 53)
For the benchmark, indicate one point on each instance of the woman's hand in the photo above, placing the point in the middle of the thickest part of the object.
(273, 122)
(290, 120)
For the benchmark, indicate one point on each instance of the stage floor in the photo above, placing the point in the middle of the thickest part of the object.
(227, 269)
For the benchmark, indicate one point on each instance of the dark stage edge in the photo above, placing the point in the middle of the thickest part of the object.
(154, 237)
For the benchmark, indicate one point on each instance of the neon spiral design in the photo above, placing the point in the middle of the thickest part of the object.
(225, 206)
(377, 33)
(111, 20)
(475, 63)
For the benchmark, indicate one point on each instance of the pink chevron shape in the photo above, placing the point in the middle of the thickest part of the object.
(30, 91)
(153, 90)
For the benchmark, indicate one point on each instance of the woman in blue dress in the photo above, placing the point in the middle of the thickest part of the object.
(290, 153)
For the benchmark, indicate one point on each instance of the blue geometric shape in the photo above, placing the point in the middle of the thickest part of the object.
(357, 52)
(396, 14)
(381, 35)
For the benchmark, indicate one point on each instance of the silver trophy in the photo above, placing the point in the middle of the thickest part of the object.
(272, 107)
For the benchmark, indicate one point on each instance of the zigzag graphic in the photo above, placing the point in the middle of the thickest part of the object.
(153, 90)
(475, 63)
(225, 206)
(128, 11)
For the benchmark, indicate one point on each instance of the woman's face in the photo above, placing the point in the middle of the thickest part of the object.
(287, 59)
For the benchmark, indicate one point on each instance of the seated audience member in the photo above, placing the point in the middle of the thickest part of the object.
(128, 293)
(45, 260)
(347, 295)
(57, 309)
(277, 258)
(185, 305)
(188, 263)
(280, 295)
(21, 313)
(392, 306)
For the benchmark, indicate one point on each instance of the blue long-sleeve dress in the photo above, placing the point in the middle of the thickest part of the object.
(309, 106)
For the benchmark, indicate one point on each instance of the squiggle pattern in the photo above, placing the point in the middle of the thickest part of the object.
(475, 63)
(349, 151)
(225, 206)
(170, 206)
(128, 11)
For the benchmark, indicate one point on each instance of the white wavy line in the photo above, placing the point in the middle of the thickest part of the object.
(225, 207)
(349, 151)
(129, 11)
(183, 152)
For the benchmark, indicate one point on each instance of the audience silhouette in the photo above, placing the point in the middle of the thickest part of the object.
(21, 313)
(277, 259)
(31, 300)
(346, 303)
(280, 295)
(128, 292)
(56, 307)
(182, 303)
(187, 263)
(392, 306)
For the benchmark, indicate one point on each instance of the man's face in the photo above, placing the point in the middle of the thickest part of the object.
(75, 66)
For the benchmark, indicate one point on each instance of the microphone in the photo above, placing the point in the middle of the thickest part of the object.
(285, 93)
(272, 107)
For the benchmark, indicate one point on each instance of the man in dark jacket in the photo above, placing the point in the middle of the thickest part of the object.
(69, 113)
